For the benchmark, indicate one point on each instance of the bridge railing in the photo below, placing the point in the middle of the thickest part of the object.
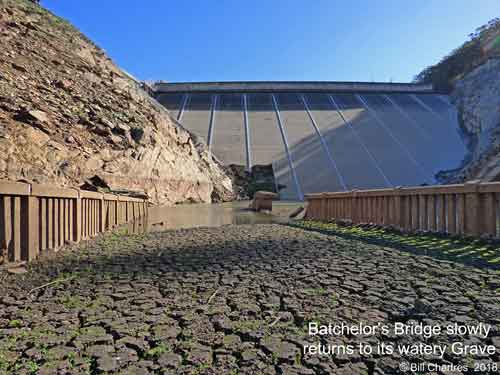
(34, 218)
(469, 209)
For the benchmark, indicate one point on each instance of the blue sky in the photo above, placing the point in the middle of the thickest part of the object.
(223, 40)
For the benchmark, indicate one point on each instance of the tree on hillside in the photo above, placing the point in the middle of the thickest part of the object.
(463, 59)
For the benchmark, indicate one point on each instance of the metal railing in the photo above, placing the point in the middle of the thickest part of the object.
(469, 209)
(34, 218)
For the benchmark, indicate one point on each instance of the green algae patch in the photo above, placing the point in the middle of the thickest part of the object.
(470, 251)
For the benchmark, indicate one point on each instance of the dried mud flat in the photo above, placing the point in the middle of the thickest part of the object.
(229, 300)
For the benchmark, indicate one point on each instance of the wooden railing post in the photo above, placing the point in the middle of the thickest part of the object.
(77, 219)
(29, 228)
(472, 206)
(5, 227)
(442, 213)
(102, 215)
(16, 230)
(12, 239)
(422, 209)
(488, 209)
(323, 207)
(354, 207)
(398, 216)
(405, 211)
(431, 203)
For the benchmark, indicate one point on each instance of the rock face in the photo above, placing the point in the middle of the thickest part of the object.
(477, 97)
(69, 115)
(246, 183)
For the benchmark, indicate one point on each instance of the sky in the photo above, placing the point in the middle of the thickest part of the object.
(278, 40)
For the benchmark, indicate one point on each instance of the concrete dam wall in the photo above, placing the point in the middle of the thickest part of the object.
(323, 136)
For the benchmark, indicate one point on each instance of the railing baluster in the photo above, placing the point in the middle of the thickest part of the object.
(461, 213)
(442, 213)
(6, 227)
(431, 209)
(488, 206)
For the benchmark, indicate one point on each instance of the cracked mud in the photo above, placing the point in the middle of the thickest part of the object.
(230, 300)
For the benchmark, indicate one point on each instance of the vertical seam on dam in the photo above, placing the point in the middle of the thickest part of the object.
(422, 104)
(287, 150)
(247, 133)
(348, 123)
(185, 99)
(394, 138)
(211, 125)
(409, 118)
(428, 108)
(440, 97)
(448, 106)
(323, 142)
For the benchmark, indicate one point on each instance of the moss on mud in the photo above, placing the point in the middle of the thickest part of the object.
(472, 251)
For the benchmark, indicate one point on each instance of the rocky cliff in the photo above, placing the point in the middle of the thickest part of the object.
(69, 116)
(471, 75)
(477, 97)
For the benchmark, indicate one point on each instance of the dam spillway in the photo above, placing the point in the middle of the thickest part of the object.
(323, 136)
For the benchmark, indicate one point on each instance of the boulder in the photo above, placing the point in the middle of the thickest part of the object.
(263, 200)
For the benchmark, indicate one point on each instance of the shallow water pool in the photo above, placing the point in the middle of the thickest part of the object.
(209, 215)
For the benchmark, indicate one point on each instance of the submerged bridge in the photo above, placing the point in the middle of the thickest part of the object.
(323, 136)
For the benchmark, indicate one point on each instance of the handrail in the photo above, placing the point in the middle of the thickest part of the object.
(469, 209)
(38, 217)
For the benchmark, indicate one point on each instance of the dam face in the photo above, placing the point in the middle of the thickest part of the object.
(323, 136)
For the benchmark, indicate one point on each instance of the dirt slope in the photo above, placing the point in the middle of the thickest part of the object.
(69, 115)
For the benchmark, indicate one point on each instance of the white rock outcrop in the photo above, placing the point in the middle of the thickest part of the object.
(477, 97)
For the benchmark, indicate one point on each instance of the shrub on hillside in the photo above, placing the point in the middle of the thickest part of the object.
(482, 44)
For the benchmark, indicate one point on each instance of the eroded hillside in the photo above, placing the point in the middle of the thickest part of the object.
(477, 97)
(471, 74)
(70, 116)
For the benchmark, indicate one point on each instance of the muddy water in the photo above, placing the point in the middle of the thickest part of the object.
(208, 215)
